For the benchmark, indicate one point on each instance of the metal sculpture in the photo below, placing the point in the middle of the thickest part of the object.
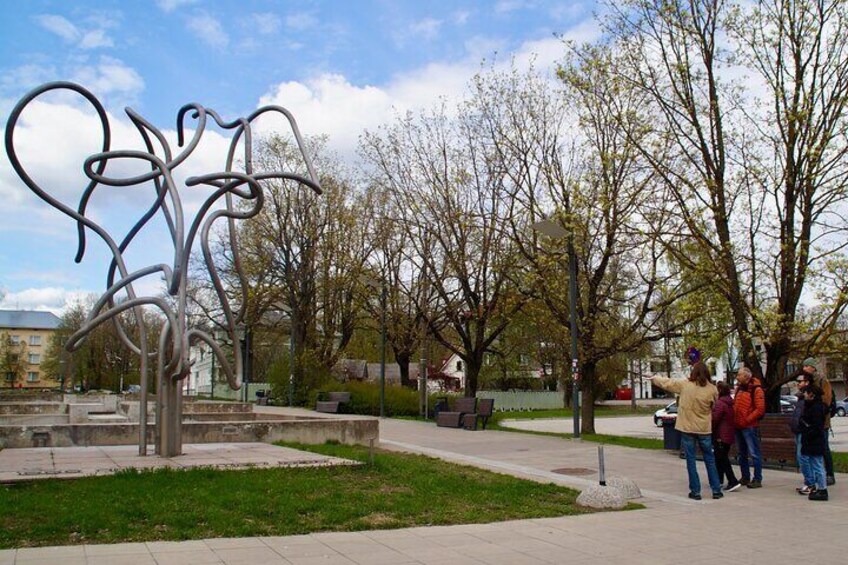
(172, 361)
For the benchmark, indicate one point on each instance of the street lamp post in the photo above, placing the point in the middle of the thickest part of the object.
(383, 297)
(556, 231)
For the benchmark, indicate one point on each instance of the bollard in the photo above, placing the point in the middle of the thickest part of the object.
(371, 451)
(601, 473)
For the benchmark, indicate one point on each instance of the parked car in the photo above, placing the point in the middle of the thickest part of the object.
(669, 412)
(842, 406)
(790, 398)
(786, 407)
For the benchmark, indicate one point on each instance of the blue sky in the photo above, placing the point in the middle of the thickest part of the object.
(339, 66)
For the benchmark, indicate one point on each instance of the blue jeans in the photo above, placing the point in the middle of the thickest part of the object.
(688, 441)
(748, 446)
(817, 466)
(804, 463)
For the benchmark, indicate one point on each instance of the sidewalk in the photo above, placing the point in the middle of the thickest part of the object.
(768, 525)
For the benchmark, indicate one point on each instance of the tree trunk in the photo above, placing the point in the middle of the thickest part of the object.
(587, 387)
(776, 356)
(402, 358)
(472, 372)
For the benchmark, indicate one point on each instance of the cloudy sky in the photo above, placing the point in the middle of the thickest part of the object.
(340, 66)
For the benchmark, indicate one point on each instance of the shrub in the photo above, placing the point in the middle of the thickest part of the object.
(365, 398)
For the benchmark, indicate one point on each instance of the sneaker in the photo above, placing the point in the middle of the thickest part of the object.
(805, 490)
(744, 482)
(754, 484)
(717, 495)
(831, 480)
(694, 496)
(818, 495)
(734, 487)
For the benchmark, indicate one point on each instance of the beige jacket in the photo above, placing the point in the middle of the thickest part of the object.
(695, 405)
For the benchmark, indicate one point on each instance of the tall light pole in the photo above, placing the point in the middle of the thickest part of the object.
(368, 281)
(556, 231)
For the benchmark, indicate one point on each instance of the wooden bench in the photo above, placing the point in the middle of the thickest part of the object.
(777, 442)
(485, 407)
(331, 401)
(456, 418)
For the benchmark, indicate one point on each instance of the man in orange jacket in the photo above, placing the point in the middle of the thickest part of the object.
(749, 406)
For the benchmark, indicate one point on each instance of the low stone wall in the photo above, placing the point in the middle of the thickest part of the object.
(37, 407)
(203, 406)
(310, 431)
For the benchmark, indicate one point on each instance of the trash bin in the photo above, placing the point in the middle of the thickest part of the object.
(671, 437)
(441, 405)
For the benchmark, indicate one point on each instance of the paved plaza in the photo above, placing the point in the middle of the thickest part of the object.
(71, 462)
(767, 525)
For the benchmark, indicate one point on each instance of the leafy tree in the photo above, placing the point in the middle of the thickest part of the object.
(12, 360)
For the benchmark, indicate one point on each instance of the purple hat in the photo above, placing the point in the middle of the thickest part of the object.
(693, 355)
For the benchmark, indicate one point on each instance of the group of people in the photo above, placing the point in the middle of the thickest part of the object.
(709, 416)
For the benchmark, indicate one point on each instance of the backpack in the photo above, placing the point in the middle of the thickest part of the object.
(830, 409)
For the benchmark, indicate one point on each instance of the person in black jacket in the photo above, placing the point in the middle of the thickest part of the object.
(811, 428)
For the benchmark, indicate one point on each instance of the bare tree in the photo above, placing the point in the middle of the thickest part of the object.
(449, 198)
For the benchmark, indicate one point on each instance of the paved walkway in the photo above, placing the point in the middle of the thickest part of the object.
(768, 525)
(71, 462)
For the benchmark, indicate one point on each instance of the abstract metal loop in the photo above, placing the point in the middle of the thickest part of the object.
(175, 337)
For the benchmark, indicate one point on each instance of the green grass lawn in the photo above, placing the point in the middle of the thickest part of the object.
(399, 490)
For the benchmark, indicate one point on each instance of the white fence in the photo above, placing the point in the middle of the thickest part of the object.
(524, 399)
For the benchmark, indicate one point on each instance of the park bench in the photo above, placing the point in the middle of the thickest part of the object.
(466, 413)
(777, 442)
(331, 401)
(485, 407)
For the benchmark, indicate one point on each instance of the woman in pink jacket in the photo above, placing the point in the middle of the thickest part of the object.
(724, 434)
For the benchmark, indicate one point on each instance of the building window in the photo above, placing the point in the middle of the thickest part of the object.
(15, 339)
(459, 365)
(35, 340)
(34, 358)
(10, 376)
(32, 377)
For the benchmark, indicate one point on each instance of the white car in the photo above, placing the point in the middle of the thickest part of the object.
(669, 412)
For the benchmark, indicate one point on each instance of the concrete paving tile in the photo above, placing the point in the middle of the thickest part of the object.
(512, 558)
(321, 560)
(116, 549)
(352, 547)
(229, 543)
(173, 546)
(314, 549)
(123, 559)
(78, 560)
(187, 557)
(58, 553)
(455, 540)
(7, 556)
(434, 555)
(382, 556)
(249, 555)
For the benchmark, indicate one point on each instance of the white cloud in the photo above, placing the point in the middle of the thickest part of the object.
(94, 39)
(60, 26)
(171, 5)
(301, 21)
(52, 299)
(209, 30)
(460, 17)
(427, 29)
(84, 39)
(110, 76)
(331, 104)
(266, 23)
(508, 6)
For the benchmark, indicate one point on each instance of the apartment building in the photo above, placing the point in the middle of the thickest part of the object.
(27, 337)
